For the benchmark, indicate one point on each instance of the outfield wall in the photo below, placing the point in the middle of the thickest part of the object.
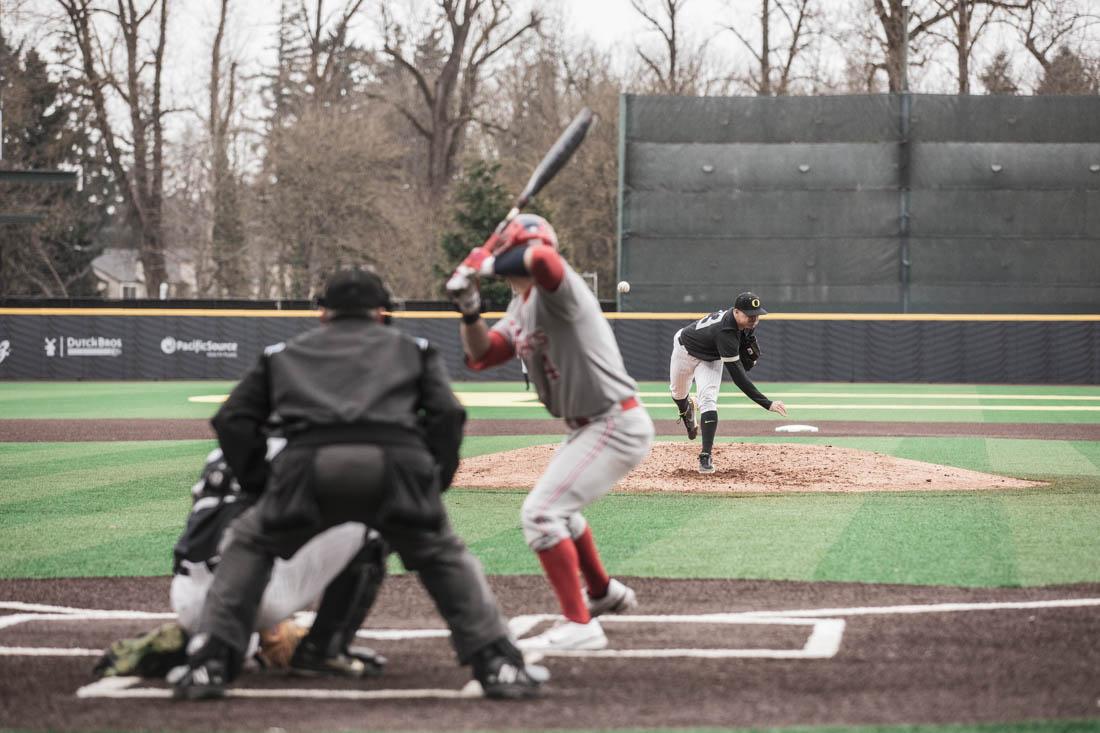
(138, 344)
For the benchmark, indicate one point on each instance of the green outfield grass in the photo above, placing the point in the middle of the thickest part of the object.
(90, 509)
(807, 401)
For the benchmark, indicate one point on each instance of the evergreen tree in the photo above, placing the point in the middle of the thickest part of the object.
(480, 202)
(1066, 74)
(997, 76)
(45, 128)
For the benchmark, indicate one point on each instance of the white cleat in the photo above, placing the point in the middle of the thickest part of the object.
(566, 636)
(620, 598)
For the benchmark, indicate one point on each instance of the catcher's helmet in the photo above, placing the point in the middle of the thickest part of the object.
(217, 478)
(528, 228)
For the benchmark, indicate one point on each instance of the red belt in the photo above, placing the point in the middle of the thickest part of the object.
(627, 404)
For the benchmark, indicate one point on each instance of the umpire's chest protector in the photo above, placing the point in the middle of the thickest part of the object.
(347, 371)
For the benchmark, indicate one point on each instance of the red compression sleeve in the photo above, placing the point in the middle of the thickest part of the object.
(499, 352)
(547, 268)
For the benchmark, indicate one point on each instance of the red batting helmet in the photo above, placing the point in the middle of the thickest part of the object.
(527, 228)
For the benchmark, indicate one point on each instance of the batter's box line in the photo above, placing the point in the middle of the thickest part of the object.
(124, 688)
(822, 643)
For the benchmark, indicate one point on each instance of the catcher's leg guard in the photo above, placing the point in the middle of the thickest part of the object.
(344, 606)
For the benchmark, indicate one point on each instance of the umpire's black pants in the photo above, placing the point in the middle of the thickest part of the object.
(395, 490)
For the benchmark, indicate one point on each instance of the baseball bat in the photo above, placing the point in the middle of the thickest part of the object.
(556, 157)
(554, 160)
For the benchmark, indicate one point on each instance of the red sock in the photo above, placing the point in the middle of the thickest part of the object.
(561, 567)
(595, 577)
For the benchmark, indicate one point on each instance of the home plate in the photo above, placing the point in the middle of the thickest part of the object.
(796, 429)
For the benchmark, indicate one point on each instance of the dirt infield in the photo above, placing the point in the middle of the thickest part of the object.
(768, 468)
(871, 655)
(31, 431)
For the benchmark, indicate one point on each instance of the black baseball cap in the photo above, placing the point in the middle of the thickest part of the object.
(749, 304)
(355, 289)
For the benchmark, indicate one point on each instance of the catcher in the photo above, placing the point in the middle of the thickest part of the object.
(699, 351)
(345, 563)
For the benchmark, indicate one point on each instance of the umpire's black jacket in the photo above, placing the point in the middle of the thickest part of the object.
(351, 380)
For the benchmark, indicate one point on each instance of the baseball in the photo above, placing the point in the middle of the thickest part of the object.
(623, 286)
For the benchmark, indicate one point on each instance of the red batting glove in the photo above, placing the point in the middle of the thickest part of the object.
(480, 260)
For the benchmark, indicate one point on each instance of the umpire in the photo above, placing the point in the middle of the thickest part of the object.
(373, 433)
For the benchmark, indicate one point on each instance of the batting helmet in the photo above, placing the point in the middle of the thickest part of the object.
(527, 228)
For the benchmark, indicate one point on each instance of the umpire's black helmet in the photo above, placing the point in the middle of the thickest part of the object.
(355, 289)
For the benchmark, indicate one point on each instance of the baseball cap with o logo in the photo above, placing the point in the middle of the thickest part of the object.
(749, 304)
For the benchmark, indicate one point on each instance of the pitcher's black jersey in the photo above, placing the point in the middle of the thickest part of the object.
(713, 337)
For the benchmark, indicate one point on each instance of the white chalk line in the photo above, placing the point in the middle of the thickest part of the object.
(822, 643)
(927, 396)
(123, 687)
(932, 608)
(44, 651)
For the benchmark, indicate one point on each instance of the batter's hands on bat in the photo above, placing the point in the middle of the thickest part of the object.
(778, 406)
(464, 291)
(480, 260)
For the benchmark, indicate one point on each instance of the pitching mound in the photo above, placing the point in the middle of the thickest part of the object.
(747, 467)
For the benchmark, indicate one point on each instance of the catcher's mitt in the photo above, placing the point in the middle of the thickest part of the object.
(749, 350)
(277, 644)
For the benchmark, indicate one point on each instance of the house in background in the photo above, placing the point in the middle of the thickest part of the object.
(121, 276)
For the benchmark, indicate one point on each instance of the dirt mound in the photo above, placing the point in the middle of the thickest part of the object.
(747, 467)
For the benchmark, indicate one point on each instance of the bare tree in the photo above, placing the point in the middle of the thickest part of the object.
(798, 18)
(469, 35)
(891, 15)
(137, 161)
(678, 68)
(227, 242)
(1046, 26)
(544, 88)
(969, 19)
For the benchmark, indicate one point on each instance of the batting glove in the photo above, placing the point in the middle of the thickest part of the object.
(464, 292)
(480, 260)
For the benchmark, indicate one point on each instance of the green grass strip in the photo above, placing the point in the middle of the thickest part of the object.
(1069, 404)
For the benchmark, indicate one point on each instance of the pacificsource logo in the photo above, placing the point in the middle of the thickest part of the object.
(5, 350)
(213, 349)
(63, 346)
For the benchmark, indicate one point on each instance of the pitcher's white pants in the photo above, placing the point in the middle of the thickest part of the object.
(683, 368)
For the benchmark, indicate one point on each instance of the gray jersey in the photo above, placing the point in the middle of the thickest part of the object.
(568, 348)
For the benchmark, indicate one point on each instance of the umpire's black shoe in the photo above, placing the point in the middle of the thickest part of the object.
(203, 681)
(309, 660)
(503, 674)
(211, 665)
(705, 466)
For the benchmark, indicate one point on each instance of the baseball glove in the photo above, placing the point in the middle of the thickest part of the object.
(749, 350)
(277, 644)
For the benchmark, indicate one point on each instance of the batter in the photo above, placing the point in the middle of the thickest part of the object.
(555, 326)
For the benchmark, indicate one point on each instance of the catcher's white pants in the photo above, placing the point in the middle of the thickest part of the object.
(683, 368)
(295, 583)
(585, 466)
